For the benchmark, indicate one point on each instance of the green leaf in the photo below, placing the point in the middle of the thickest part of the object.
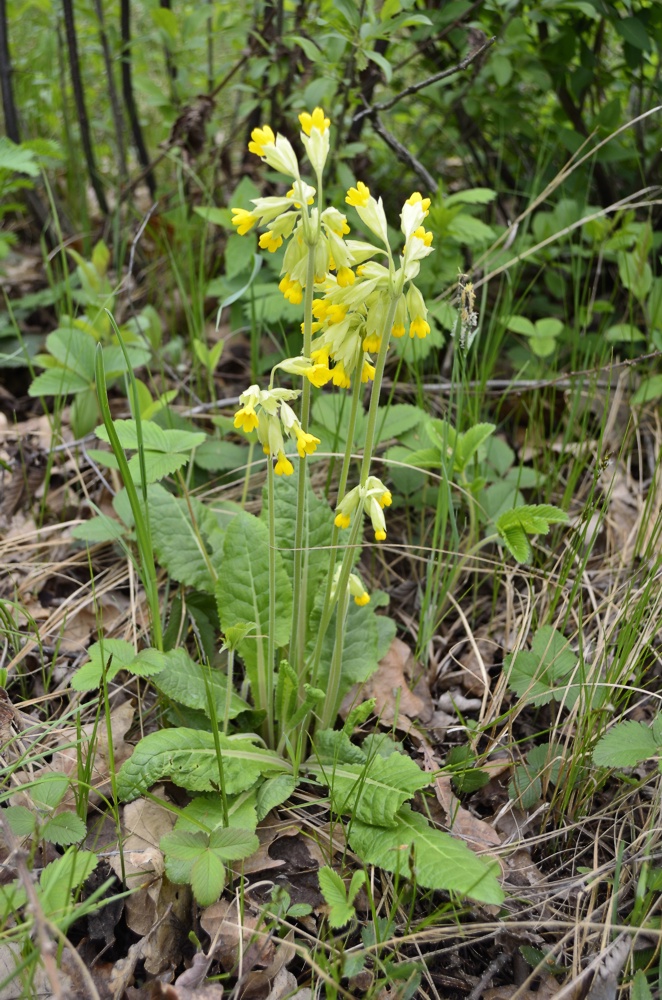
(88, 677)
(207, 878)
(439, 860)
(17, 159)
(520, 324)
(194, 685)
(49, 790)
(639, 988)
(333, 889)
(58, 382)
(188, 758)
(633, 31)
(21, 821)
(470, 231)
(190, 557)
(164, 451)
(553, 652)
(273, 792)
(65, 828)
(242, 592)
(624, 333)
(525, 786)
(59, 880)
(374, 790)
(626, 745)
(548, 328)
(221, 456)
(543, 347)
(472, 196)
(533, 519)
(233, 843)
(99, 529)
(198, 858)
(533, 675)
(469, 443)
(393, 421)
(207, 810)
(649, 390)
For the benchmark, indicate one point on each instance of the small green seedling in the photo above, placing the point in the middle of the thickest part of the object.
(41, 822)
(339, 899)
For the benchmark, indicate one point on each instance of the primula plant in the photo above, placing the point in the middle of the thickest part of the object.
(294, 612)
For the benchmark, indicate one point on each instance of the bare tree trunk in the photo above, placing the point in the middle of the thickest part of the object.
(38, 209)
(112, 93)
(8, 106)
(129, 100)
(79, 98)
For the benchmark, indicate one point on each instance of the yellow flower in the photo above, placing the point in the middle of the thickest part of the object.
(358, 196)
(292, 290)
(345, 276)
(419, 328)
(320, 356)
(342, 520)
(306, 443)
(367, 372)
(269, 241)
(336, 313)
(340, 376)
(398, 330)
(416, 197)
(243, 220)
(283, 466)
(423, 235)
(386, 499)
(316, 120)
(319, 374)
(320, 309)
(245, 419)
(362, 599)
(380, 536)
(261, 137)
(373, 342)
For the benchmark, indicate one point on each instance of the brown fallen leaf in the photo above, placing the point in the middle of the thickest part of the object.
(548, 988)
(399, 687)
(221, 921)
(477, 834)
(474, 663)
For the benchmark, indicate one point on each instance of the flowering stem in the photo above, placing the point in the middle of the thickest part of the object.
(327, 606)
(298, 631)
(266, 683)
(331, 703)
(330, 706)
(376, 388)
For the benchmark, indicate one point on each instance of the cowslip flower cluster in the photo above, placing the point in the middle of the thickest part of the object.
(355, 588)
(372, 498)
(268, 411)
(291, 217)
